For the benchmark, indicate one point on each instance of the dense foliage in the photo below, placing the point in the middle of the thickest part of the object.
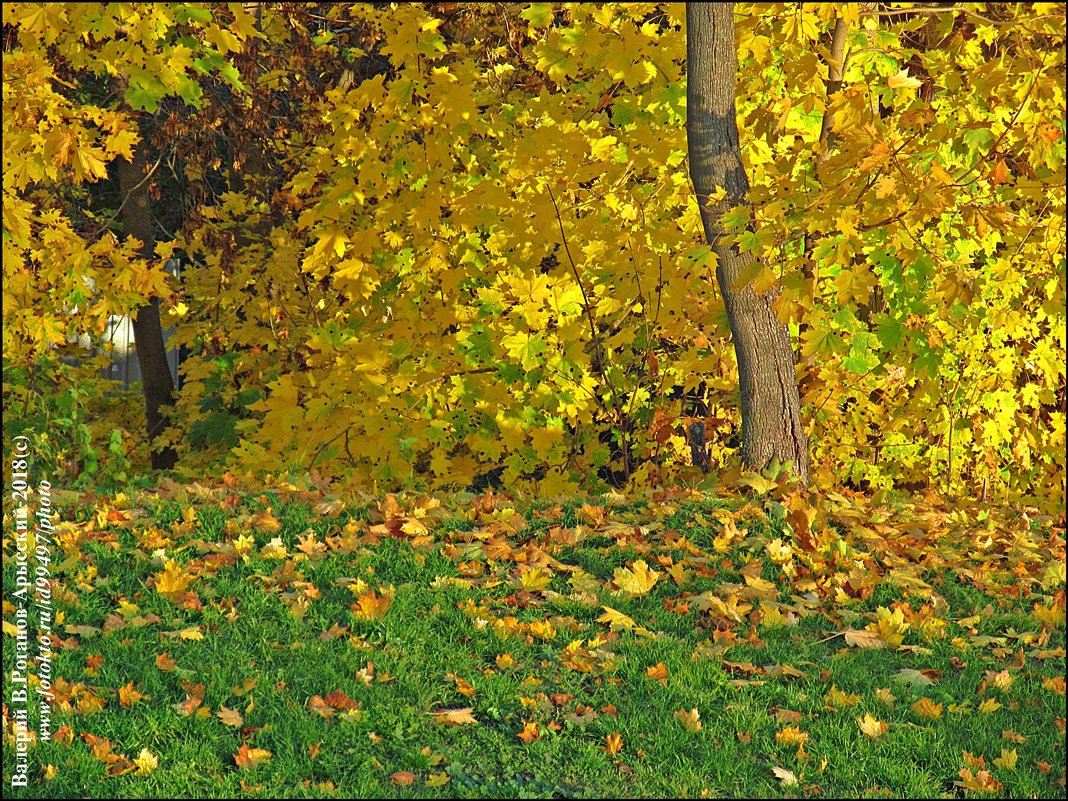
(441, 243)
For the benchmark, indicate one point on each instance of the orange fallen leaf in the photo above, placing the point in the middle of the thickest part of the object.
(658, 672)
(165, 663)
(402, 777)
(613, 743)
(791, 735)
(530, 732)
(462, 686)
(927, 708)
(247, 758)
(128, 696)
(980, 782)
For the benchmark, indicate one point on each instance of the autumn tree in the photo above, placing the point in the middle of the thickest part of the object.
(771, 409)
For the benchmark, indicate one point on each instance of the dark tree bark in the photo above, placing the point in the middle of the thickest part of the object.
(148, 334)
(771, 408)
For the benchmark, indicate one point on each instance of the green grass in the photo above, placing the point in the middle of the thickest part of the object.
(251, 637)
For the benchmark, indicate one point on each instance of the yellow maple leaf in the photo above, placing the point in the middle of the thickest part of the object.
(691, 721)
(146, 762)
(454, 717)
(1007, 760)
(613, 743)
(927, 708)
(989, 706)
(902, 80)
(172, 580)
(535, 579)
(836, 698)
(637, 580)
(871, 726)
(791, 735)
(980, 782)
(616, 619)
(230, 717)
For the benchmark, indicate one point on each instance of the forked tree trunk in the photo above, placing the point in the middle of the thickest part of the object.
(771, 408)
(148, 333)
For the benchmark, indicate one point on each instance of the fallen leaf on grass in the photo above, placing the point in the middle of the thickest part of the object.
(462, 686)
(785, 776)
(530, 732)
(981, 782)
(402, 777)
(230, 717)
(858, 638)
(836, 699)
(917, 678)
(1007, 760)
(791, 735)
(146, 762)
(927, 708)
(637, 580)
(658, 672)
(691, 721)
(247, 758)
(989, 706)
(454, 717)
(872, 727)
(613, 743)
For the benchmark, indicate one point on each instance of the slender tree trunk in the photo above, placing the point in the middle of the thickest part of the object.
(148, 333)
(771, 408)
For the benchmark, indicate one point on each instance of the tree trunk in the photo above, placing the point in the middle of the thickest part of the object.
(771, 408)
(148, 333)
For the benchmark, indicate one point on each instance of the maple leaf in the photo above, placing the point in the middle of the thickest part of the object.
(791, 735)
(637, 580)
(463, 687)
(146, 762)
(454, 717)
(836, 699)
(247, 758)
(128, 696)
(872, 727)
(535, 579)
(917, 678)
(613, 743)
(1007, 760)
(340, 701)
(230, 717)
(691, 721)
(530, 732)
(859, 638)
(658, 672)
(403, 777)
(172, 580)
(785, 776)
(165, 663)
(616, 619)
(927, 708)
(980, 782)
(988, 706)
(902, 80)
(320, 707)
(372, 606)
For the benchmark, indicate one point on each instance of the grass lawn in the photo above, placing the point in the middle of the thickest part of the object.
(220, 642)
